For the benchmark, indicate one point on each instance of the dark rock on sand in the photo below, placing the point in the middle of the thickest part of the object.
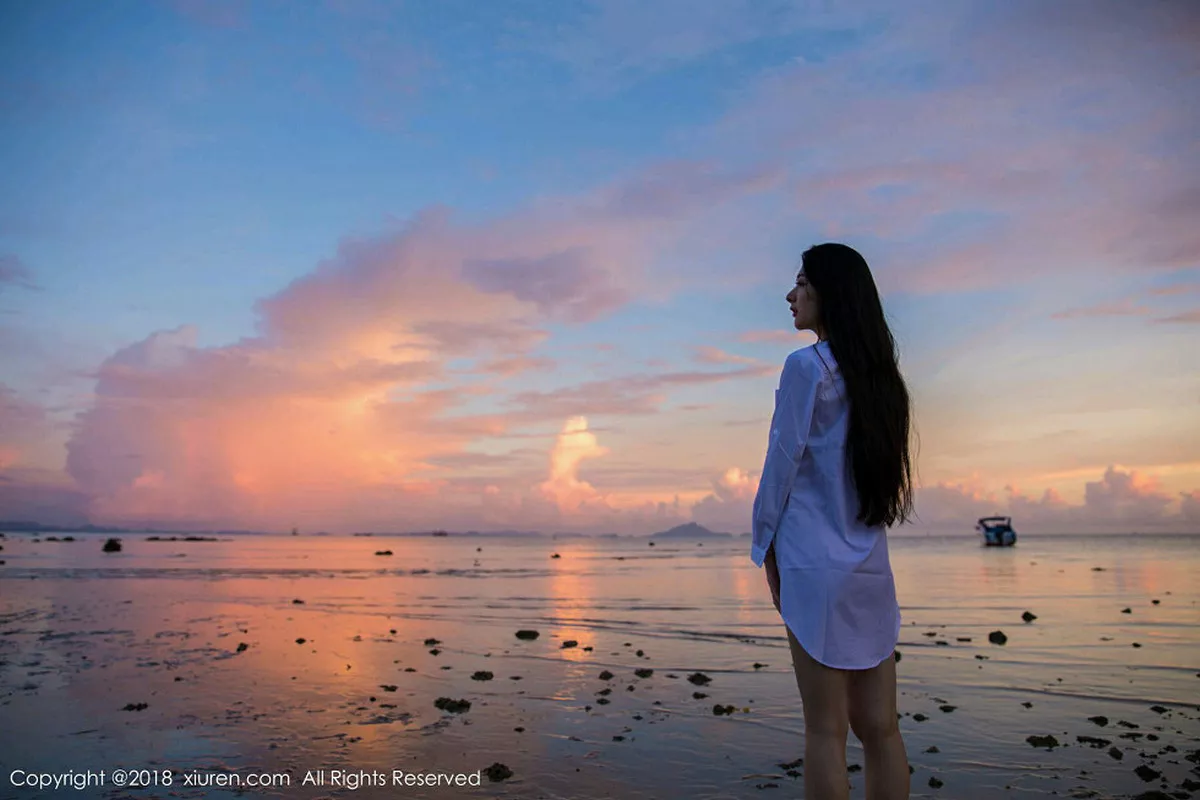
(1159, 709)
(698, 695)
(112, 546)
(301, 640)
(896, 653)
(1126, 610)
(997, 637)
(527, 635)
(136, 706)
(603, 701)
(1099, 720)
(1028, 617)
(1154, 794)
(555, 555)
(498, 772)
(452, 706)
(1146, 773)
(719, 709)
(1047, 741)
(431, 642)
(434, 651)
(920, 717)
(758, 665)
(605, 676)
(1093, 741)
(1115, 753)
(947, 708)
(933, 748)
(383, 552)
(242, 647)
(643, 672)
(482, 675)
(569, 643)
(699, 679)
(935, 782)
(388, 687)
(297, 602)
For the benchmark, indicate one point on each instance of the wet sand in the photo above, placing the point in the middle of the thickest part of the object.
(286, 655)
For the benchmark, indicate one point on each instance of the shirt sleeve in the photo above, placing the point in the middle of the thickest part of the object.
(794, 403)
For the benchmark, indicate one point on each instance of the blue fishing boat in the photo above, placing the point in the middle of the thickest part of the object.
(997, 531)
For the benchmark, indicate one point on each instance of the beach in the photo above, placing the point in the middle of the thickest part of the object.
(658, 670)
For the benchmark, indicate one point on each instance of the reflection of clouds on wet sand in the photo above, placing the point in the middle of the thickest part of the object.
(83, 636)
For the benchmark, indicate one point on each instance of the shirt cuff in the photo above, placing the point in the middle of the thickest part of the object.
(759, 554)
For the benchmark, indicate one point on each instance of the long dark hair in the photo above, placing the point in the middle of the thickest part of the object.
(862, 344)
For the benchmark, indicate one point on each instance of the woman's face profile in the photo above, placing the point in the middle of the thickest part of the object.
(803, 302)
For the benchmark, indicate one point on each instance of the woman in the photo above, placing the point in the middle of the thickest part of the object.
(837, 474)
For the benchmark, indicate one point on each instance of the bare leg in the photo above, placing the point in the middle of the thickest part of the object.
(824, 692)
(873, 717)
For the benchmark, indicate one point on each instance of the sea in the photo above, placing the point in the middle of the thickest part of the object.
(534, 667)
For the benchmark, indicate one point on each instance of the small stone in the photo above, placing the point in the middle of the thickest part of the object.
(699, 679)
(112, 546)
(498, 772)
(1159, 709)
(242, 647)
(1042, 741)
(555, 555)
(297, 602)
(1099, 720)
(383, 552)
(920, 717)
(431, 642)
(719, 709)
(605, 676)
(452, 706)
(301, 640)
(1146, 773)
(136, 706)
(933, 748)
(698, 695)
(527, 635)
(569, 643)
(935, 782)
(519, 729)
(997, 637)
(643, 672)
(758, 665)
(1126, 610)
(388, 687)
(947, 708)
(1114, 752)
(1027, 704)
(1028, 617)
(481, 675)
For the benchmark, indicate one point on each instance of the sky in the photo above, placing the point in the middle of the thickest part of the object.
(348, 265)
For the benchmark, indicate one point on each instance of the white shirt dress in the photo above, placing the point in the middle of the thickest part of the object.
(837, 592)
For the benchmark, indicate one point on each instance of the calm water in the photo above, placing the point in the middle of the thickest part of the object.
(83, 634)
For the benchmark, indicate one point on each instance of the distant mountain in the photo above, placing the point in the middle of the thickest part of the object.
(690, 530)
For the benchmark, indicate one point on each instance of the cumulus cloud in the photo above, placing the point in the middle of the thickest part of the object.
(343, 408)
(575, 443)
(1119, 501)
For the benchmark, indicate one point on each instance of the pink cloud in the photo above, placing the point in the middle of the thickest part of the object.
(714, 355)
(1187, 317)
(771, 336)
(1124, 308)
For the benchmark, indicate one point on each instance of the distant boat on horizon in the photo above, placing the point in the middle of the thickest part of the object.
(996, 531)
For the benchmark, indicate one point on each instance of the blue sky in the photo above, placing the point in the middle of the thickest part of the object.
(584, 210)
